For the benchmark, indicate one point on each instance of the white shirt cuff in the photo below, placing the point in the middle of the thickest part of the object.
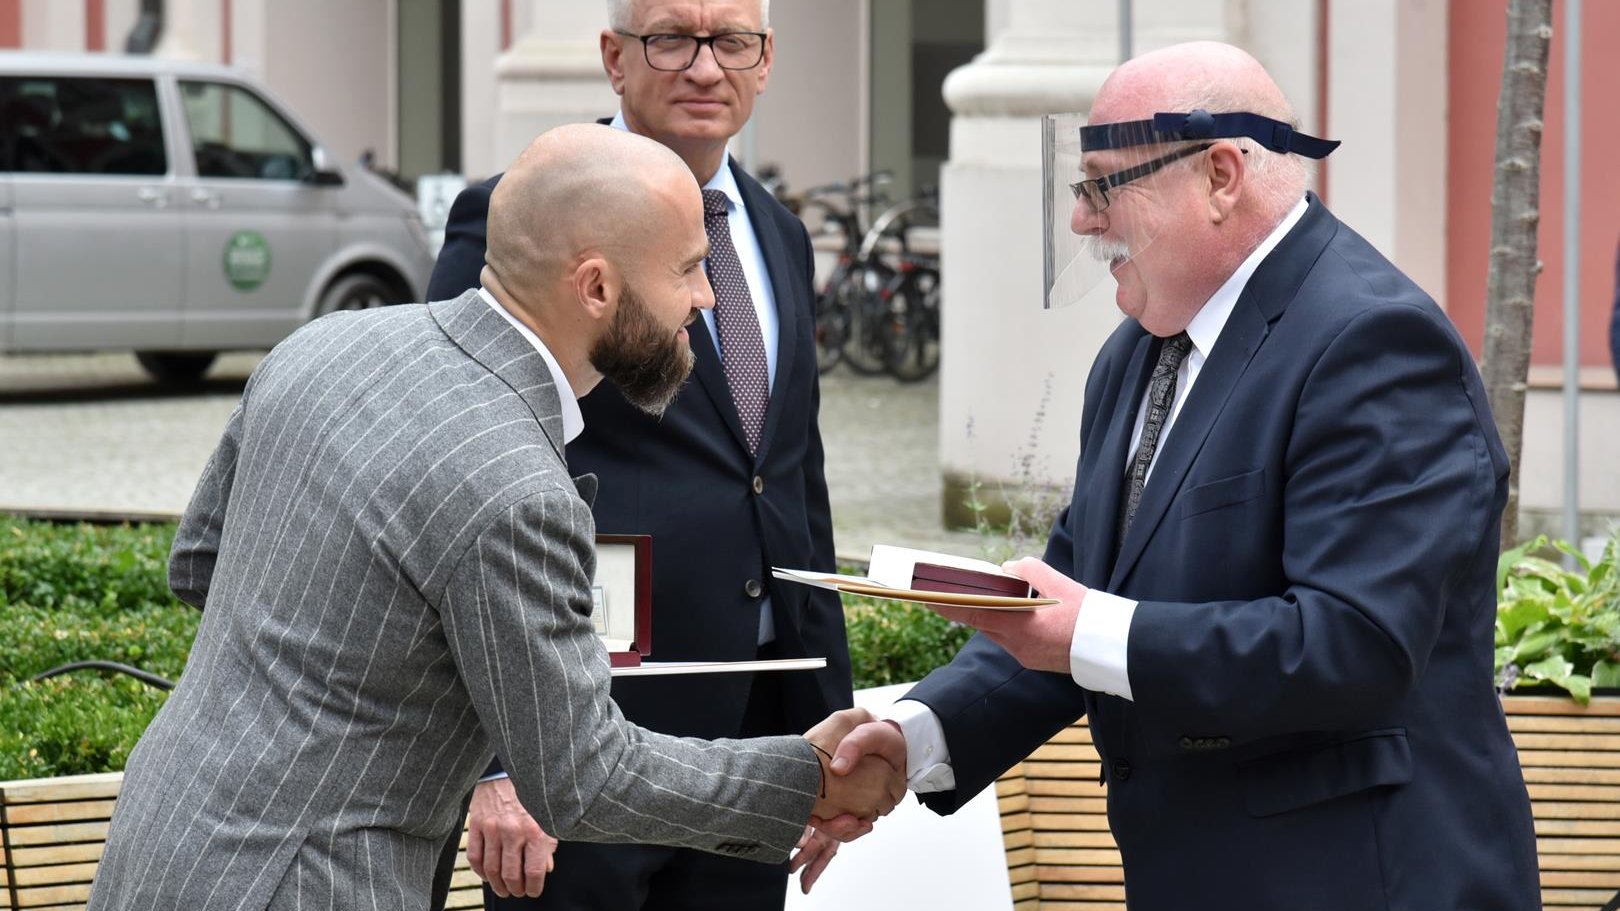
(495, 777)
(928, 759)
(1097, 651)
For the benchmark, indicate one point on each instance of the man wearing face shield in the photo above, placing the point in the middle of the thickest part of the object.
(1277, 571)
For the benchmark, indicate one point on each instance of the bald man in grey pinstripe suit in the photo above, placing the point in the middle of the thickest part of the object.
(395, 566)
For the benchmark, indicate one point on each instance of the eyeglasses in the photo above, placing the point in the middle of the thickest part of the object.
(1095, 191)
(674, 53)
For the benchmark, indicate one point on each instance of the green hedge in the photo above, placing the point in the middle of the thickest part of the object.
(76, 593)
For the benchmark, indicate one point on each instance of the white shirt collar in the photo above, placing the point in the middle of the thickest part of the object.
(573, 419)
(723, 180)
(1206, 326)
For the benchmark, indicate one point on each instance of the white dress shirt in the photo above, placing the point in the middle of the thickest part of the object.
(1097, 651)
(752, 259)
(573, 419)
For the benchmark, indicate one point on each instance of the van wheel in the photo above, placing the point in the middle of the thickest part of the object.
(176, 368)
(356, 292)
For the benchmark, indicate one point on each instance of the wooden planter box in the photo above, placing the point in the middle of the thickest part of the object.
(1053, 814)
(1060, 855)
(52, 830)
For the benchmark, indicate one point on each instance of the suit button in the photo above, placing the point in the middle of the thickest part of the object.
(753, 589)
(759, 484)
(1122, 770)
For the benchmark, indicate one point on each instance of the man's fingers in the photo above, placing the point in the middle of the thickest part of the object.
(536, 861)
(878, 738)
(807, 880)
(511, 874)
(843, 828)
(475, 851)
(1048, 582)
(816, 849)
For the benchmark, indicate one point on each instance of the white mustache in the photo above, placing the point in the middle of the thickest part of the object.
(1103, 249)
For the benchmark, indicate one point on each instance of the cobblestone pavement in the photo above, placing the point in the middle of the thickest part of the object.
(91, 434)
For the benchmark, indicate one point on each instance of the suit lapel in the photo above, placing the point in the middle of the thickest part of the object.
(1261, 303)
(785, 286)
(709, 374)
(1102, 523)
(1239, 339)
(488, 338)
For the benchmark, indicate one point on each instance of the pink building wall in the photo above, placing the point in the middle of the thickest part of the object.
(1478, 29)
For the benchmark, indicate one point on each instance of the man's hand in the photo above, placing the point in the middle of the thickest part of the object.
(865, 788)
(505, 846)
(1039, 639)
(875, 738)
(813, 853)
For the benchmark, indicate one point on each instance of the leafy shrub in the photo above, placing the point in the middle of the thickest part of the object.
(75, 593)
(896, 642)
(106, 569)
(74, 724)
(1556, 626)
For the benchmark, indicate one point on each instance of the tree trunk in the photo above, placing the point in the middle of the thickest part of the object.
(1515, 214)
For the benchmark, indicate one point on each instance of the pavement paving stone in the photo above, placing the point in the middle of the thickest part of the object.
(91, 434)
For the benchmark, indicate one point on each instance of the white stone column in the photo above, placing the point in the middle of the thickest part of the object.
(551, 76)
(1386, 85)
(50, 25)
(192, 30)
(1013, 374)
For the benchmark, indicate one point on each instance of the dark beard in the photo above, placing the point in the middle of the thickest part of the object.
(638, 356)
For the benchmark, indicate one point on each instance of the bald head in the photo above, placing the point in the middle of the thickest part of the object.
(1168, 78)
(583, 189)
(1173, 242)
(1218, 78)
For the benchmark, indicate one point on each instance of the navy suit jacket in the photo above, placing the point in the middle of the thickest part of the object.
(719, 517)
(1614, 321)
(1314, 723)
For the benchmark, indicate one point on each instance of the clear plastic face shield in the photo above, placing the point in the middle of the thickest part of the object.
(1098, 219)
(1103, 186)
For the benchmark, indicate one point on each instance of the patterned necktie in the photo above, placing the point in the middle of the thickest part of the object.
(1161, 399)
(742, 347)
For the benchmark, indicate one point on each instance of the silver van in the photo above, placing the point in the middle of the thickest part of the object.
(177, 210)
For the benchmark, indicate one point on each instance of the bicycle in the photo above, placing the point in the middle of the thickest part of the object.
(901, 324)
(855, 280)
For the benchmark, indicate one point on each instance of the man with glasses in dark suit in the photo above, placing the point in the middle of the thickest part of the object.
(728, 483)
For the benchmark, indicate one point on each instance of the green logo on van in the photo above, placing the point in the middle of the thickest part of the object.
(247, 260)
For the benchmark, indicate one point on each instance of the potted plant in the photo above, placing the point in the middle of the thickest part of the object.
(1558, 637)
(1558, 627)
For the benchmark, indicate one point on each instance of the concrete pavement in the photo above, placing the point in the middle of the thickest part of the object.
(90, 434)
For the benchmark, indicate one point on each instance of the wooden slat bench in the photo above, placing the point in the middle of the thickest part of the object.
(1060, 856)
(52, 830)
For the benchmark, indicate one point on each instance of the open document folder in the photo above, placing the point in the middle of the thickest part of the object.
(926, 577)
(660, 668)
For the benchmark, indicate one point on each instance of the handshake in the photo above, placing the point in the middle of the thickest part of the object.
(863, 776)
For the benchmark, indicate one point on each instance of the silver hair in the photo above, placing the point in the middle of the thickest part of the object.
(619, 14)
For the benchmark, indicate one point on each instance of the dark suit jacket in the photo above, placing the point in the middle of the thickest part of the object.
(1614, 321)
(1314, 723)
(719, 517)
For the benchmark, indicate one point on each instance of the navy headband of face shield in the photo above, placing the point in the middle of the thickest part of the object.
(1200, 124)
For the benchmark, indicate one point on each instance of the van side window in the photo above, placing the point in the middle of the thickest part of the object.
(80, 125)
(235, 134)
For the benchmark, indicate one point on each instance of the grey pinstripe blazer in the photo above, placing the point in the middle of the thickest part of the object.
(395, 567)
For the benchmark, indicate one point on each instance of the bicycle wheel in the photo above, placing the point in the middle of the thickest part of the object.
(912, 333)
(866, 291)
(832, 329)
